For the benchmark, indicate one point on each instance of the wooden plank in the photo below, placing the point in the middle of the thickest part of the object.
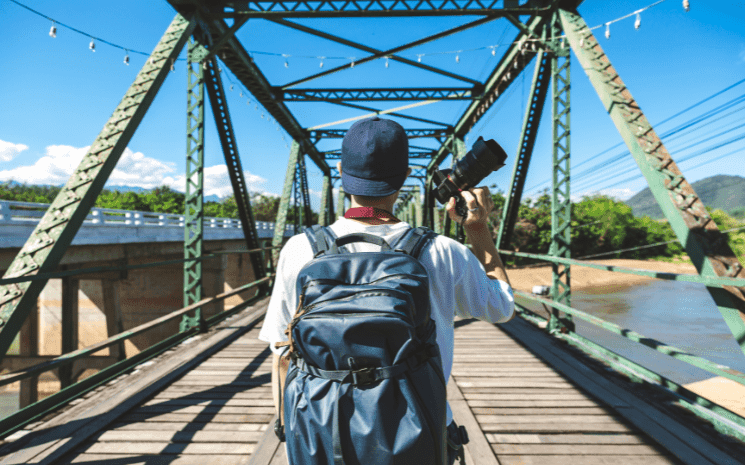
(573, 449)
(512, 419)
(564, 439)
(610, 427)
(198, 418)
(478, 451)
(255, 402)
(144, 459)
(585, 460)
(673, 436)
(476, 404)
(528, 383)
(56, 438)
(266, 448)
(184, 426)
(226, 448)
(555, 410)
(179, 436)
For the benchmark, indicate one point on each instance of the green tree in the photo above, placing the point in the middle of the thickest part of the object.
(121, 201)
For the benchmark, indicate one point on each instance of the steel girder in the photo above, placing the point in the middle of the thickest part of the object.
(225, 131)
(57, 228)
(705, 244)
(395, 94)
(326, 216)
(194, 201)
(303, 215)
(318, 134)
(561, 203)
(538, 92)
(512, 63)
(284, 203)
(237, 59)
(368, 8)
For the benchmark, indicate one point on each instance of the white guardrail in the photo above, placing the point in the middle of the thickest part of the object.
(136, 226)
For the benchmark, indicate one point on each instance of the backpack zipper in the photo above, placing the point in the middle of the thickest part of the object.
(390, 292)
(384, 278)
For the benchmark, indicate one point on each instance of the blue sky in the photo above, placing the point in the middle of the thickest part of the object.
(57, 94)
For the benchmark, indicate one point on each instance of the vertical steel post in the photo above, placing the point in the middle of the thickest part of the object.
(418, 217)
(194, 202)
(226, 133)
(326, 209)
(307, 215)
(459, 151)
(341, 204)
(533, 113)
(561, 206)
(284, 202)
(707, 247)
(48, 242)
(29, 392)
(70, 320)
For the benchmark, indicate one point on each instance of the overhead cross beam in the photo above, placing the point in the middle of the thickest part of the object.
(370, 8)
(390, 54)
(378, 94)
(319, 134)
(390, 113)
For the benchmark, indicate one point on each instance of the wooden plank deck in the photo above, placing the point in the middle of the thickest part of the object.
(524, 398)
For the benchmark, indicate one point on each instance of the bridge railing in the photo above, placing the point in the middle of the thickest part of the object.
(723, 419)
(13, 212)
(36, 410)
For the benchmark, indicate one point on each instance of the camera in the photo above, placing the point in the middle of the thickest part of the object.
(485, 156)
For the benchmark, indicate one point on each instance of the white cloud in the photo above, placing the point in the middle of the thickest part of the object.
(134, 169)
(53, 168)
(9, 150)
(217, 182)
(619, 194)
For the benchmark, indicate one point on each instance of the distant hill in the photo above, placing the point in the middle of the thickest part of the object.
(721, 191)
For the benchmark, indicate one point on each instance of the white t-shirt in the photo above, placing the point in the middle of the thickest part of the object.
(458, 285)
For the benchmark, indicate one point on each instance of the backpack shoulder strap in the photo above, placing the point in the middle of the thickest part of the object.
(320, 238)
(413, 241)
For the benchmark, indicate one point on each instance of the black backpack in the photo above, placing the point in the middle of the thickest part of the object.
(365, 383)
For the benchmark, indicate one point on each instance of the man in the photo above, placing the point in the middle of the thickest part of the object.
(373, 168)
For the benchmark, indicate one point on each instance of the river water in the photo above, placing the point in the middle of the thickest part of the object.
(679, 314)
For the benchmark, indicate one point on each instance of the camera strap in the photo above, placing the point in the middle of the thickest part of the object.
(371, 212)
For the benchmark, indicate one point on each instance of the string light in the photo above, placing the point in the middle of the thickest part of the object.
(638, 21)
(126, 58)
(607, 30)
(321, 64)
(287, 63)
(53, 31)
(92, 46)
(173, 65)
(419, 58)
(386, 62)
(686, 5)
(351, 64)
(494, 50)
(457, 58)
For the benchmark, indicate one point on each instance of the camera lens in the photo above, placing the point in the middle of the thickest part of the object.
(485, 157)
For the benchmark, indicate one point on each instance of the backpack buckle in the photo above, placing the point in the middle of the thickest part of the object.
(363, 376)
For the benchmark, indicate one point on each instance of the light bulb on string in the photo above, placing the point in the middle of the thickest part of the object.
(173, 64)
(126, 58)
(204, 63)
(419, 58)
(351, 64)
(686, 5)
(241, 94)
(92, 46)
(386, 62)
(457, 57)
(607, 30)
(320, 65)
(262, 116)
(287, 63)
(638, 21)
(53, 30)
(515, 64)
(493, 50)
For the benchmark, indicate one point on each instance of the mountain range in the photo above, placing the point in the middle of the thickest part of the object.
(718, 192)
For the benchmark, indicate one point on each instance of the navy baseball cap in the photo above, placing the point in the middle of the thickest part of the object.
(374, 157)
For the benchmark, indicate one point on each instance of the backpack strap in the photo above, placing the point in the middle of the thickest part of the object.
(320, 238)
(414, 240)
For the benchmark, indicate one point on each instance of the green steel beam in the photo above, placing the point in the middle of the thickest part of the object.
(284, 202)
(705, 244)
(378, 94)
(194, 201)
(537, 99)
(237, 59)
(302, 181)
(57, 228)
(341, 206)
(512, 63)
(399, 115)
(372, 8)
(327, 205)
(390, 53)
(561, 204)
(226, 133)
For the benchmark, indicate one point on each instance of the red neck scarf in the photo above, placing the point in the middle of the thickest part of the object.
(371, 212)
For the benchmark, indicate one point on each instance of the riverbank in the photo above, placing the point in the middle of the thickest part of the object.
(593, 280)
(723, 391)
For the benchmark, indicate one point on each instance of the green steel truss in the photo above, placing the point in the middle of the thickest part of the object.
(284, 203)
(226, 132)
(398, 94)
(302, 197)
(193, 204)
(533, 113)
(54, 233)
(705, 244)
(561, 204)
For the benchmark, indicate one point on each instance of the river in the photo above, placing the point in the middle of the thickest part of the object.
(680, 314)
